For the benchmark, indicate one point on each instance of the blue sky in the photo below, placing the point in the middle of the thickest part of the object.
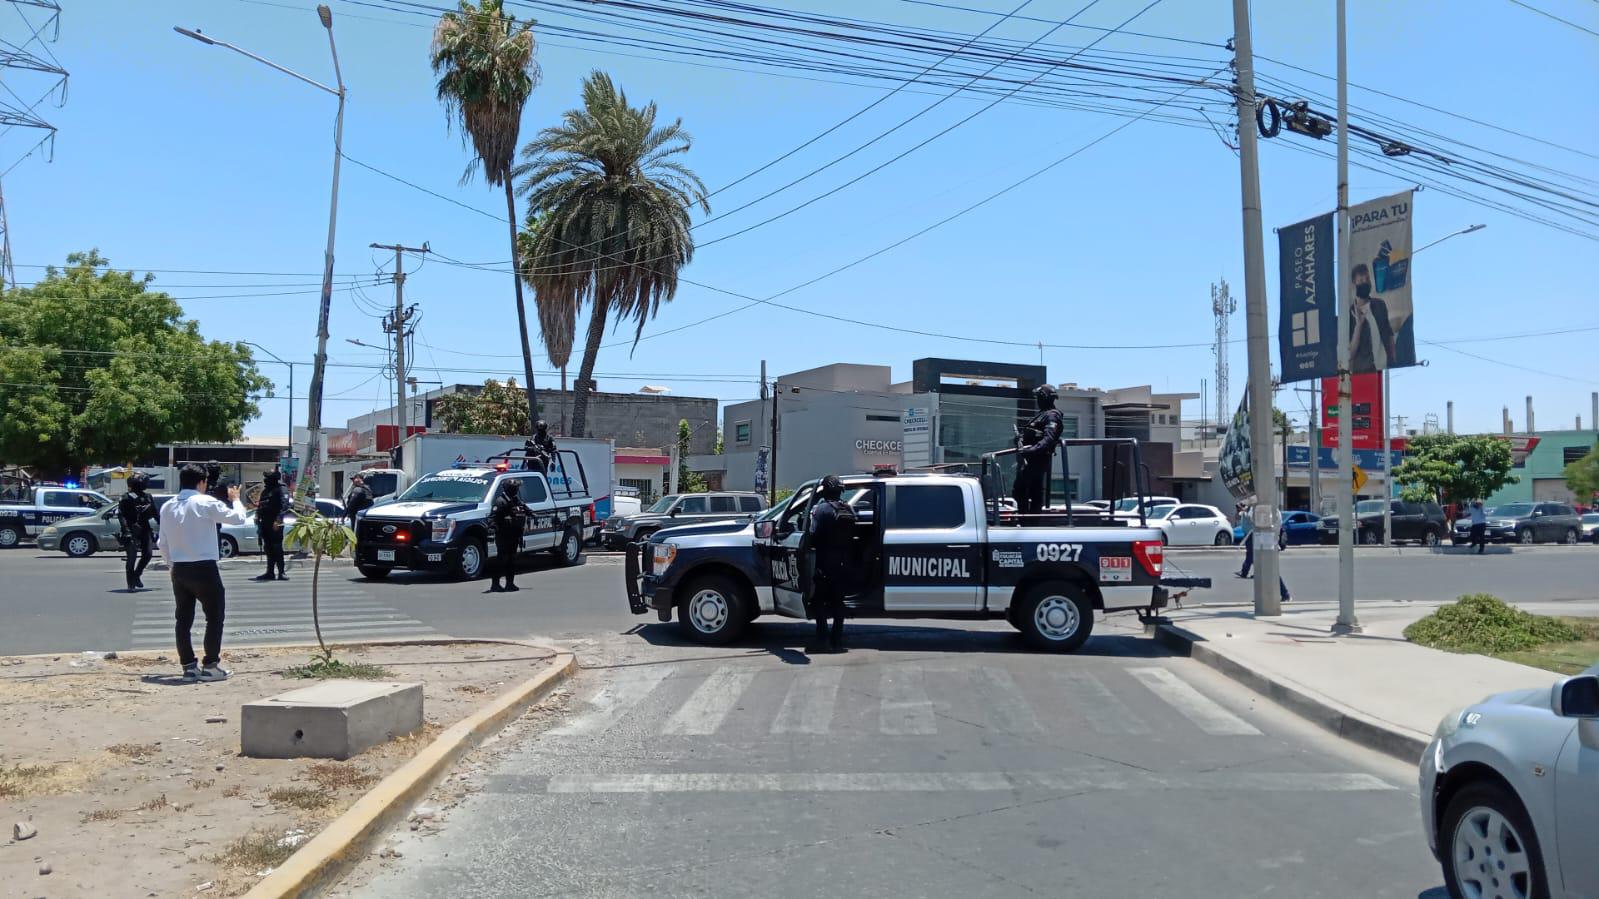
(174, 155)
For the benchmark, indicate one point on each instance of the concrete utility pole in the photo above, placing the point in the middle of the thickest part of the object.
(1387, 468)
(771, 477)
(1451, 410)
(1315, 446)
(1347, 623)
(1266, 515)
(402, 315)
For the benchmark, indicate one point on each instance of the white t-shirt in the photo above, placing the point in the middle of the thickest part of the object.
(189, 526)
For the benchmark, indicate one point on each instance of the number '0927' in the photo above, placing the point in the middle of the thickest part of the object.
(1058, 552)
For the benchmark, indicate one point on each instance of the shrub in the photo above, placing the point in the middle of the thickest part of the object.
(1479, 622)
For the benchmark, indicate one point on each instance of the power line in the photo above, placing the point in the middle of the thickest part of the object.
(1550, 15)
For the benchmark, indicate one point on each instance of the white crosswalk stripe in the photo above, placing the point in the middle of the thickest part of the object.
(614, 700)
(262, 612)
(963, 781)
(705, 709)
(1194, 705)
(1006, 706)
(1103, 711)
(808, 707)
(904, 707)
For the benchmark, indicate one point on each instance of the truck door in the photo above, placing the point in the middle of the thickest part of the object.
(780, 553)
(932, 551)
(544, 525)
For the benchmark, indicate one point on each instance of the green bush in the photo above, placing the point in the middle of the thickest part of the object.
(1479, 622)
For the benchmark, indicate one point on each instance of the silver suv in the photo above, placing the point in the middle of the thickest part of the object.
(676, 510)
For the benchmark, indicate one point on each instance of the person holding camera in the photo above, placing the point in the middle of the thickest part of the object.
(188, 543)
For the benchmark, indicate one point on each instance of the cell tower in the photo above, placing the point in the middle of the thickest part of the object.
(1222, 305)
(16, 61)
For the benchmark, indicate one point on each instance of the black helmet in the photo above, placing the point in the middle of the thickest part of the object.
(138, 481)
(832, 487)
(213, 471)
(273, 476)
(513, 487)
(1046, 390)
(541, 426)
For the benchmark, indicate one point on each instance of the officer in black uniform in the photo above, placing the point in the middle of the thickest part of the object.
(216, 485)
(1036, 444)
(509, 519)
(137, 515)
(269, 512)
(540, 447)
(830, 541)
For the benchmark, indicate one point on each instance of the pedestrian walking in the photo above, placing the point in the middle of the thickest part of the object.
(1479, 527)
(1249, 554)
(137, 517)
(829, 541)
(188, 544)
(269, 512)
(358, 500)
(509, 519)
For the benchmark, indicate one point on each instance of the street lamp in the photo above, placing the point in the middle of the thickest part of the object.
(291, 388)
(313, 443)
(1467, 230)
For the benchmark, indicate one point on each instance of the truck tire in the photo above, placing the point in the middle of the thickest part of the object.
(79, 545)
(373, 572)
(569, 551)
(712, 610)
(10, 536)
(1572, 537)
(1055, 616)
(472, 561)
(1526, 537)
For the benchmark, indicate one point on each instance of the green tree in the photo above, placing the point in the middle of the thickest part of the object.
(323, 537)
(613, 207)
(95, 366)
(1453, 468)
(1582, 476)
(484, 59)
(687, 481)
(497, 409)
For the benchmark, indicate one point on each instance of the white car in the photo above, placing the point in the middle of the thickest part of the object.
(1190, 524)
(244, 538)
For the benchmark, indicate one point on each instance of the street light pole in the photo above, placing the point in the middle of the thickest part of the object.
(1347, 623)
(291, 388)
(313, 443)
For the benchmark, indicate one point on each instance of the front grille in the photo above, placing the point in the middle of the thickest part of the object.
(372, 531)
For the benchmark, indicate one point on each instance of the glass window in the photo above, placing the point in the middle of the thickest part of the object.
(693, 505)
(1561, 509)
(928, 506)
(741, 432)
(54, 498)
(533, 490)
(381, 484)
(328, 510)
(724, 504)
(1570, 454)
(749, 503)
(445, 489)
(1514, 510)
(663, 505)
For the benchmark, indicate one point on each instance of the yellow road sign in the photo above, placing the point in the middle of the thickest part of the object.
(1358, 476)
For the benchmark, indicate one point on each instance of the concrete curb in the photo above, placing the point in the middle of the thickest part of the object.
(1341, 720)
(329, 855)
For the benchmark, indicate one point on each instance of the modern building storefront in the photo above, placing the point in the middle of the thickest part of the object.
(1542, 472)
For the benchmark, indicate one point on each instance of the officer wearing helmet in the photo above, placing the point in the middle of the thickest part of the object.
(136, 516)
(1035, 446)
(541, 447)
(509, 519)
(829, 543)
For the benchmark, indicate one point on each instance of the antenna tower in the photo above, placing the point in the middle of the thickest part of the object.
(1222, 305)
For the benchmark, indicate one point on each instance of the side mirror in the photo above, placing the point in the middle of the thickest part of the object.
(1576, 697)
(673, 513)
(764, 530)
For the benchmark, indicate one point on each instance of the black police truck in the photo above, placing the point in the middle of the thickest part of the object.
(942, 543)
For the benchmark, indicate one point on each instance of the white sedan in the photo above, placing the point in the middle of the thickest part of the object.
(1190, 524)
(244, 538)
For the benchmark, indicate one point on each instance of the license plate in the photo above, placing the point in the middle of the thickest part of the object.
(435, 557)
(385, 555)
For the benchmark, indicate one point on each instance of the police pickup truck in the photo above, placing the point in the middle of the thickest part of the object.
(441, 522)
(46, 505)
(930, 545)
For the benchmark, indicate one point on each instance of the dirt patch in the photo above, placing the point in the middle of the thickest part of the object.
(134, 793)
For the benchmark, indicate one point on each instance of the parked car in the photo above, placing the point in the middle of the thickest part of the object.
(1528, 523)
(675, 510)
(1190, 524)
(31, 509)
(1421, 522)
(1300, 528)
(1127, 506)
(89, 534)
(1590, 527)
(237, 539)
(1510, 793)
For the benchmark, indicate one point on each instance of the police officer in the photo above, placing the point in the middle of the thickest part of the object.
(358, 500)
(216, 485)
(269, 512)
(541, 447)
(830, 542)
(136, 513)
(509, 519)
(1035, 447)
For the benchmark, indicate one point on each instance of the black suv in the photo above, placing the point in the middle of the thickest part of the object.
(1424, 523)
(1526, 523)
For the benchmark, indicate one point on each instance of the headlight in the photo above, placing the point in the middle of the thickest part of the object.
(48, 532)
(1450, 724)
(661, 556)
(442, 528)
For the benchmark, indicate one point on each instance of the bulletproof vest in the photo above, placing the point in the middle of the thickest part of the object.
(834, 537)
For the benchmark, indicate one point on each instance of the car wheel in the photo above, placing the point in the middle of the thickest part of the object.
(1430, 538)
(569, 551)
(372, 572)
(643, 535)
(1571, 536)
(1224, 539)
(1489, 846)
(1055, 616)
(9, 537)
(1526, 537)
(79, 545)
(227, 547)
(712, 610)
(1370, 537)
(469, 566)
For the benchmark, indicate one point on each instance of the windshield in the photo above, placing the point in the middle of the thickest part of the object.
(1369, 507)
(1514, 510)
(448, 490)
(1127, 504)
(663, 504)
(381, 484)
(1159, 512)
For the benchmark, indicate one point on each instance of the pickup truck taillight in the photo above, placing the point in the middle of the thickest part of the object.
(1150, 554)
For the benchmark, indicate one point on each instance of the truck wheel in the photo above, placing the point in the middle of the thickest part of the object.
(569, 551)
(9, 537)
(1370, 537)
(1526, 537)
(372, 572)
(79, 545)
(470, 565)
(1430, 538)
(1055, 616)
(1571, 537)
(227, 547)
(712, 610)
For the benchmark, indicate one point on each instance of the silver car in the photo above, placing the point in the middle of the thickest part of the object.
(1510, 793)
(236, 539)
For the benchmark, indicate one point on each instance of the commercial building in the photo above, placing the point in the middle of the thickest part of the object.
(1542, 473)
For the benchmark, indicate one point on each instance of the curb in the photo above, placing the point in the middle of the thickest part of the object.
(1340, 720)
(319, 864)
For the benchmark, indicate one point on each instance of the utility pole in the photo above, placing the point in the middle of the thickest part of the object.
(1347, 623)
(1387, 469)
(397, 323)
(771, 479)
(1266, 514)
(1315, 446)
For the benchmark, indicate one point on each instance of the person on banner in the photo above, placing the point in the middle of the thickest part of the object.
(1371, 335)
(828, 547)
(1035, 447)
(137, 517)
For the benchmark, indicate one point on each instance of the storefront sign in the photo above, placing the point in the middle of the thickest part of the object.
(879, 447)
(1365, 399)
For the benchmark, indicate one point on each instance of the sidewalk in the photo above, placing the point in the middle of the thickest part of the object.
(1374, 688)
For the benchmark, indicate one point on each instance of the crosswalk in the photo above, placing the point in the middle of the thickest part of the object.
(279, 612)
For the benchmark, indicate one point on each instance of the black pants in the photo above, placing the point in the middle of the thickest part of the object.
(137, 549)
(1479, 538)
(1032, 480)
(827, 604)
(505, 550)
(272, 545)
(199, 582)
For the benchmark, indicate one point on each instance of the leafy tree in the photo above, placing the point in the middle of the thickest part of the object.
(97, 367)
(1453, 468)
(720, 448)
(687, 481)
(613, 209)
(1281, 424)
(484, 59)
(323, 537)
(496, 409)
(1582, 476)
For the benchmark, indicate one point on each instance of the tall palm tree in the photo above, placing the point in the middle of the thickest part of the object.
(557, 315)
(484, 60)
(614, 216)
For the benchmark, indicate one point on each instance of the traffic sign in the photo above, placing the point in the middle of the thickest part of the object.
(1358, 476)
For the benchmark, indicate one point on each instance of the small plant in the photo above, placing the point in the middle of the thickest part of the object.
(324, 667)
(323, 536)
(300, 797)
(200, 784)
(236, 791)
(21, 779)
(154, 805)
(1482, 623)
(103, 814)
(134, 750)
(256, 850)
(332, 776)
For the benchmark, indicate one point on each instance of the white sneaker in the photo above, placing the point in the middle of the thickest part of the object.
(214, 673)
(191, 672)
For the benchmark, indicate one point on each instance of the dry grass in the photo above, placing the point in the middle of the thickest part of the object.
(199, 784)
(333, 776)
(256, 850)
(300, 797)
(470, 688)
(236, 791)
(154, 805)
(103, 814)
(23, 780)
(134, 750)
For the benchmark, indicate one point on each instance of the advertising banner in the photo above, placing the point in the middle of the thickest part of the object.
(1307, 323)
(1381, 327)
(761, 456)
(1365, 401)
(1236, 465)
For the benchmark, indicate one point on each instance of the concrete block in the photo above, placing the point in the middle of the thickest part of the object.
(335, 719)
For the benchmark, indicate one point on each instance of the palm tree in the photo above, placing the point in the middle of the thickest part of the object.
(557, 315)
(613, 208)
(484, 60)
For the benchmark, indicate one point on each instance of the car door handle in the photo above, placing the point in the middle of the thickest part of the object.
(958, 546)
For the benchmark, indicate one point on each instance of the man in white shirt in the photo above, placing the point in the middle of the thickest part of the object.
(189, 523)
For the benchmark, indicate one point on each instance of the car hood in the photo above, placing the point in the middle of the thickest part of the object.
(418, 509)
(642, 518)
(1532, 697)
(81, 521)
(677, 534)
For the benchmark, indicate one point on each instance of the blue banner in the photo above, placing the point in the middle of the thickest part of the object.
(1307, 322)
(1370, 460)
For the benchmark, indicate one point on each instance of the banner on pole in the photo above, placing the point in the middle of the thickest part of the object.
(1381, 317)
(1307, 323)
(761, 456)
(1236, 465)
